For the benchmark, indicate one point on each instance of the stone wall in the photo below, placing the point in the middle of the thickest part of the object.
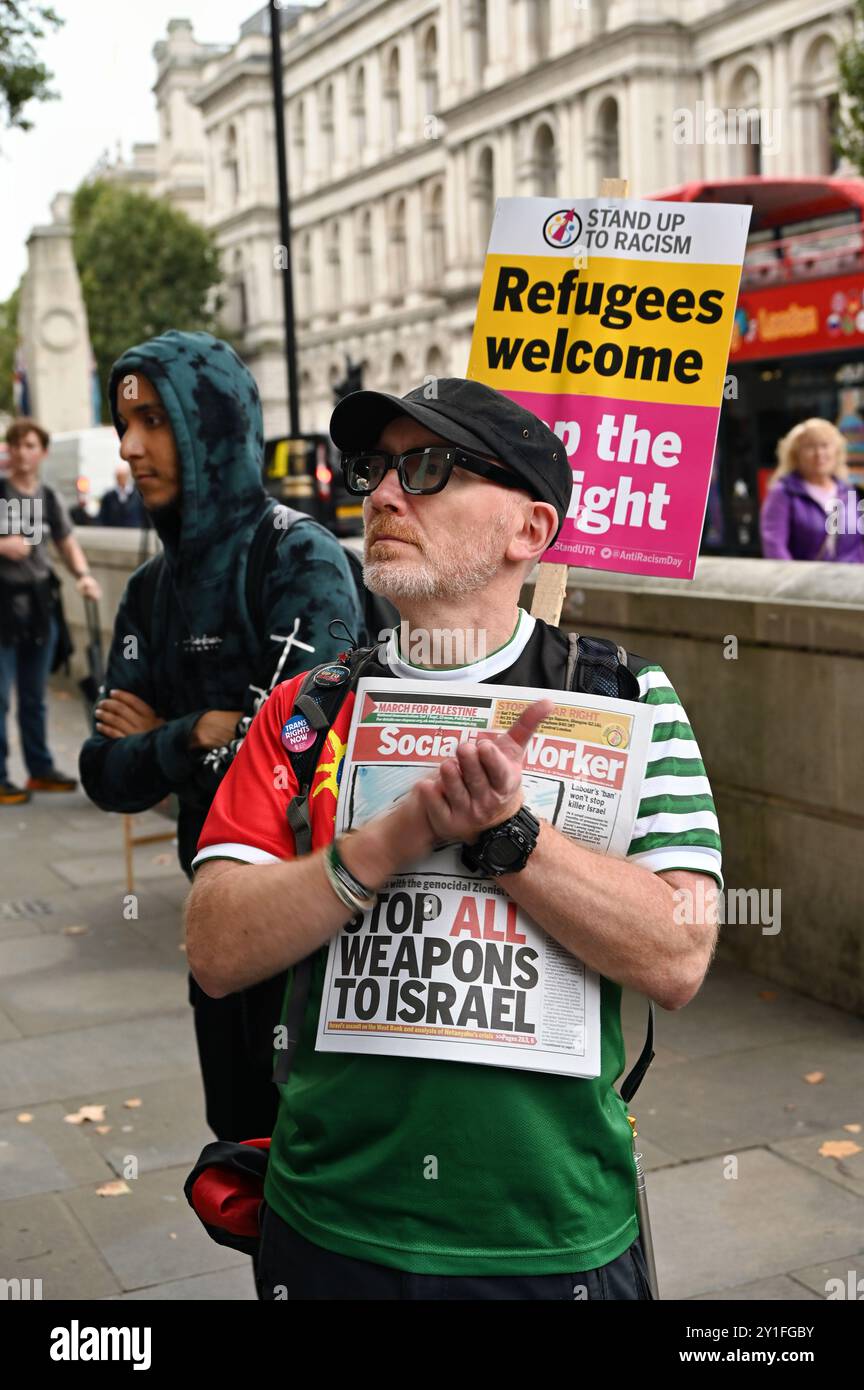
(768, 658)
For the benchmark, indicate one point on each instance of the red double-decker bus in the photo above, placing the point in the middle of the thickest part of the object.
(798, 341)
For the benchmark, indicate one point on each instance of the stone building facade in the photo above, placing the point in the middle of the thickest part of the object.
(406, 119)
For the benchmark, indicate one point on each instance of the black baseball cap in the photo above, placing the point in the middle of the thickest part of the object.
(473, 415)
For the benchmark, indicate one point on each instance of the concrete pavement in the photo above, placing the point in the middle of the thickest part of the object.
(93, 1011)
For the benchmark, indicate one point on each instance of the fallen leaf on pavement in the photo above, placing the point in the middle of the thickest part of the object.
(103, 1129)
(132, 1104)
(767, 994)
(75, 931)
(113, 1189)
(853, 1129)
(814, 1077)
(94, 1113)
(790, 1107)
(24, 1118)
(840, 1148)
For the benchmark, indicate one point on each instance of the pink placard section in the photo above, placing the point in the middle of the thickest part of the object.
(640, 481)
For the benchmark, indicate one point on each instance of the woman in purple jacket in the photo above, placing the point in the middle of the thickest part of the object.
(811, 510)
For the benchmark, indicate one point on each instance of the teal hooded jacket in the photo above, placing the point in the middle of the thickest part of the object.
(187, 644)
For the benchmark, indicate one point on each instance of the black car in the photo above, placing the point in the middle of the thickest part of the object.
(303, 472)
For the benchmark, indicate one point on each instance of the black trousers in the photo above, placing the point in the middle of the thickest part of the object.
(293, 1269)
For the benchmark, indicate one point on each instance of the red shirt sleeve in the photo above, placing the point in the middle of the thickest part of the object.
(247, 820)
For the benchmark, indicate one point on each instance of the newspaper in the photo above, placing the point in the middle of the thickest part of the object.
(446, 965)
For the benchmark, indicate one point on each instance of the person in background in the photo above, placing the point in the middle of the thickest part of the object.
(30, 512)
(189, 662)
(121, 505)
(810, 511)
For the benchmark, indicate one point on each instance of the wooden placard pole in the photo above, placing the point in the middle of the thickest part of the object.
(551, 587)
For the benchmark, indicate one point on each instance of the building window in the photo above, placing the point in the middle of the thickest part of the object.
(393, 97)
(398, 375)
(476, 21)
(434, 236)
(435, 364)
(429, 72)
(545, 163)
(608, 139)
(237, 295)
(304, 278)
(358, 110)
(745, 141)
(298, 141)
(231, 164)
(398, 251)
(482, 192)
(326, 128)
(540, 34)
(364, 260)
(333, 257)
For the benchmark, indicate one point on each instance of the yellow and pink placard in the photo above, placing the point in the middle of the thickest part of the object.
(611, 319)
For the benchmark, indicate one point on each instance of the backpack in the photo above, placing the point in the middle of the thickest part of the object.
(378, 614)
(595, 666)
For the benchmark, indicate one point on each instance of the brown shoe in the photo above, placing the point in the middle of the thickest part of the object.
(10, 795)
(53, 781)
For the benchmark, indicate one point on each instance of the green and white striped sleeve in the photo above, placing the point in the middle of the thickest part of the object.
(676, 826)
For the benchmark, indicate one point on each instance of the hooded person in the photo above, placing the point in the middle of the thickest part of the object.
(189, 664)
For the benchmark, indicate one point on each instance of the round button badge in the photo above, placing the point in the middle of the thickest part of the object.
(297, 734)
(329, 676)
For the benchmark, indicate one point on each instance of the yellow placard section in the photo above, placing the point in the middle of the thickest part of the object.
(628, 330)
(568, 721)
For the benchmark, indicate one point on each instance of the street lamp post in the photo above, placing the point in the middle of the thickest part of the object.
(284, 217)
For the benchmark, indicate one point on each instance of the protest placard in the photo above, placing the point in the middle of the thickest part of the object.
(611, 319)
(446, 965)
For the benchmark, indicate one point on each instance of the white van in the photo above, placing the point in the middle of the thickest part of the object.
(81, 463)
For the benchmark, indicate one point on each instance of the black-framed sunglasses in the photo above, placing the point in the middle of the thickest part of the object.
(421, 471)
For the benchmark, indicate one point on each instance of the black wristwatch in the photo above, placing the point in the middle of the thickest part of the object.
(505, 848)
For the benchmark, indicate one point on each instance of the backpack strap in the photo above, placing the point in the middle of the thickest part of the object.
(320, 705)
(597, 666)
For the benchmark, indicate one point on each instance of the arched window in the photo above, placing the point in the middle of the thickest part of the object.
(476, 21)
(545, 163)
(820, 70)
(298, 141)
(744, 127)
(358, 110)
(398, 250)
(398, 375)
(364, 260)
(429, 72)
(231, 163)
(333, 256)
(608, 139)
(435, 364)
(393, 97)
(239, 300)
(482, 190)
(304, 278)
(540, 32)
(434, 236)
(326, 128)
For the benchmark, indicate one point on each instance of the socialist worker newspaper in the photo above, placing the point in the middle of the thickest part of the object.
(446, 965)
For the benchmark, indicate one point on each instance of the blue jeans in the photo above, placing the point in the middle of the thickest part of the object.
(32, 664)
(291, 1268)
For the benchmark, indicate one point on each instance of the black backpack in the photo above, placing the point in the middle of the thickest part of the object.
(595, 666)
(378, 614)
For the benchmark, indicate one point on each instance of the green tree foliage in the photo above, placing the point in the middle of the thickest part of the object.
(8, 343)
(144, 267)
(850, 134)
(22, 77)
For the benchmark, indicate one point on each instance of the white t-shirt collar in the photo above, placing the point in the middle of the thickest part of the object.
(491, 665)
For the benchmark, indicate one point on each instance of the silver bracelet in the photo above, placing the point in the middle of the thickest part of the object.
(348, 889)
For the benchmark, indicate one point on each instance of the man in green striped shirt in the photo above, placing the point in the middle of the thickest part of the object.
(414, 1177)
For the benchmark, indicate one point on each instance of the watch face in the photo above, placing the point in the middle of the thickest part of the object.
(503, 852)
